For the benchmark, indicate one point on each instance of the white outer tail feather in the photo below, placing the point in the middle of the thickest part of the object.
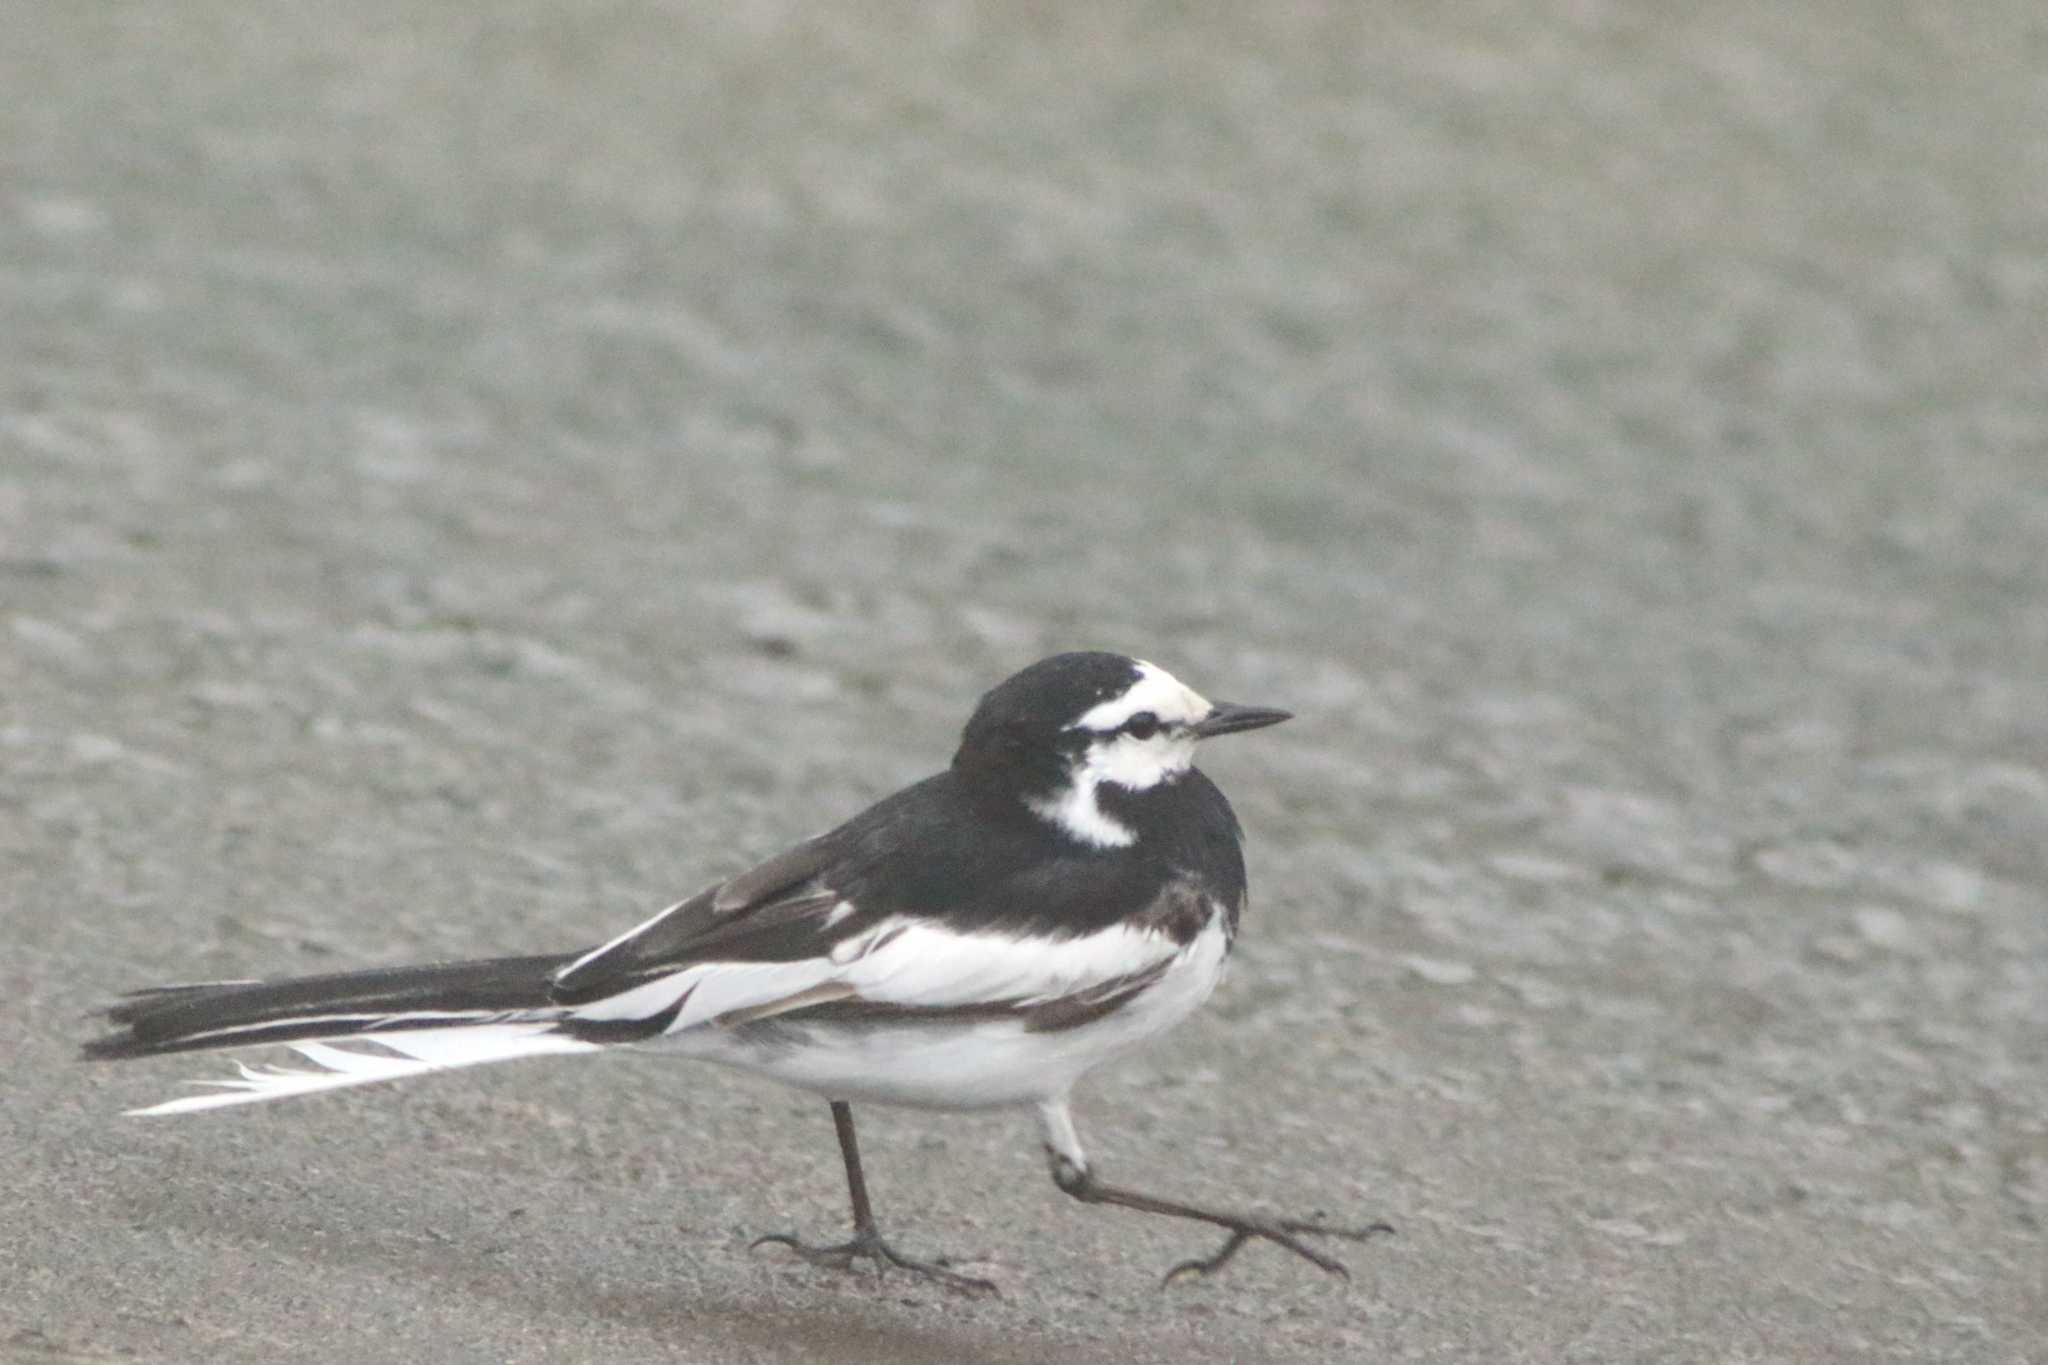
(418, 1052)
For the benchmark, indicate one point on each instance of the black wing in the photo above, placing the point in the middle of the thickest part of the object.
(929, 855)
(774, 912)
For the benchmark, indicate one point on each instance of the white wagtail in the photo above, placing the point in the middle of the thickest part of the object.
(1066, 890)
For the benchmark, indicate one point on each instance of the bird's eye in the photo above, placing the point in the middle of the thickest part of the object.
(1144, 725)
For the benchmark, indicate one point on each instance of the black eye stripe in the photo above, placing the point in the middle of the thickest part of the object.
(1144, 725)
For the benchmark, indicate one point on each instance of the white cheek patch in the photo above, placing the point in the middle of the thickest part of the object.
(1157, 691)
(1138, 764)
(1124, 761)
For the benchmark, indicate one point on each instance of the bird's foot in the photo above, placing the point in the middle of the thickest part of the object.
(867, 1244)
(1080, 1182)
(1282, 1232)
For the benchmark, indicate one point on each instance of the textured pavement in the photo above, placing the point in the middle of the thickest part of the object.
(470, 474)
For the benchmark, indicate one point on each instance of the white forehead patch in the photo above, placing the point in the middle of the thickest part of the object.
(1157, 691)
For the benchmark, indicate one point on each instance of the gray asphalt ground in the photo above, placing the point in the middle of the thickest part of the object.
(472, 473)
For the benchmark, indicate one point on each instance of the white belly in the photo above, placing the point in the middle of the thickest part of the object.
(953, 1064)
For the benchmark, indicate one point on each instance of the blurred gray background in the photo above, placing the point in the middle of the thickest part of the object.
(470, 474)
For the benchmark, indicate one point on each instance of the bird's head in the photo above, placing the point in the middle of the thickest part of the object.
(1074, 729)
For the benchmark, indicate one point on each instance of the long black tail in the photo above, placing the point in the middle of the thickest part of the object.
(345, 1004)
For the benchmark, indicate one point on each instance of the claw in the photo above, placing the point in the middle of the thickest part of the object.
(867, 1243)
(838, 1257)
(1198, 1267)
(1281, 1233)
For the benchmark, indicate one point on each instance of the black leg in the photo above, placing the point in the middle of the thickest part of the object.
(1070, 1171)
(849, 1148)
(867, 1237)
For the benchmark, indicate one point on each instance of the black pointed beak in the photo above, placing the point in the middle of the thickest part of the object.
(1228, 718)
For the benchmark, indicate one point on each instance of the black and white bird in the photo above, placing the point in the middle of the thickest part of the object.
(1066, 890)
